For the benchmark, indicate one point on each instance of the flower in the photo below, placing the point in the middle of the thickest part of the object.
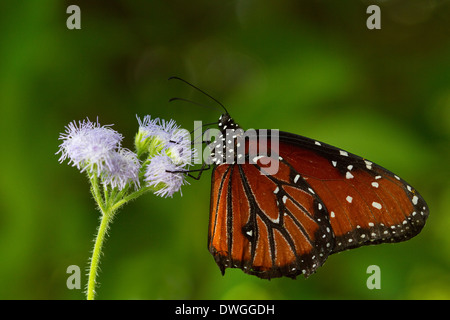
(158, 135)
(88, 145)
(179, 148)
(123, 168)
(170, 153)
(164, 175)
(144, 140)
(97, 150)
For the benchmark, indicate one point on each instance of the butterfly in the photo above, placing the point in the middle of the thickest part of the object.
(320, 200)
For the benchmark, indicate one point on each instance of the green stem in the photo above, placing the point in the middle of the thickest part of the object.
(112, 201)
(106, 195)
(95, 189)
(131, 196)
(101, 234)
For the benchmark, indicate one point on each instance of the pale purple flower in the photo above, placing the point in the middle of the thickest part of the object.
(88, 145)
(96, 149)
(161, 173)
(157, 128)
(148, 126)
(167, 129)
(159, 136)
(179, 148)
(145, 141)
(123, 168)
(170, 154)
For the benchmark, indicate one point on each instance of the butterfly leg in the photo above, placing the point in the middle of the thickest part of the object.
(200, 171)
(204, 165)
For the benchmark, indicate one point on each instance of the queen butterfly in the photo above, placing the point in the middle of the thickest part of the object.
(320, 201)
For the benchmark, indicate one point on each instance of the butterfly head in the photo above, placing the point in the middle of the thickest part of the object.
(226, 122)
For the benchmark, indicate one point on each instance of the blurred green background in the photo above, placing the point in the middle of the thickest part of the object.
(311, 68)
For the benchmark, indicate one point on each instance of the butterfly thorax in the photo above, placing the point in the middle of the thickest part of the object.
(226, 145)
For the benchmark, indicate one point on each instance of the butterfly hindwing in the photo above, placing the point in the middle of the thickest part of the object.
(267, 225)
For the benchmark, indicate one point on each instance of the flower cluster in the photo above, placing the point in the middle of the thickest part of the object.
(169, 154)
(97, 150)
(160, 163)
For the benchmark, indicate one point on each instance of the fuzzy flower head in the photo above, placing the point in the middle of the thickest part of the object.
(158, 136)
(123, 168)
(170, 154)
(164, 176)
(88, 145)
(145, 141)
(96, 149)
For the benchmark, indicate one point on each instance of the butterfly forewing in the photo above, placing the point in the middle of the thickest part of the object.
(367, 204)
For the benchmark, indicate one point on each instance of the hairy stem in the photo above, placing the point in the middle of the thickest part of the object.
(95, 260)
(131, 196)
(95, 189)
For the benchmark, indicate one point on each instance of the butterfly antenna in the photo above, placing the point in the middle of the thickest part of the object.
(190, 84)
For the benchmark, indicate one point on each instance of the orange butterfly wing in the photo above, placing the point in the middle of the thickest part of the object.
(321, 200)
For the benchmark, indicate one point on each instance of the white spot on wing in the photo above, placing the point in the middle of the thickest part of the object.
(349, 199)
(255, 159)
(376, 205)
(277, 220)
(343, 153)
